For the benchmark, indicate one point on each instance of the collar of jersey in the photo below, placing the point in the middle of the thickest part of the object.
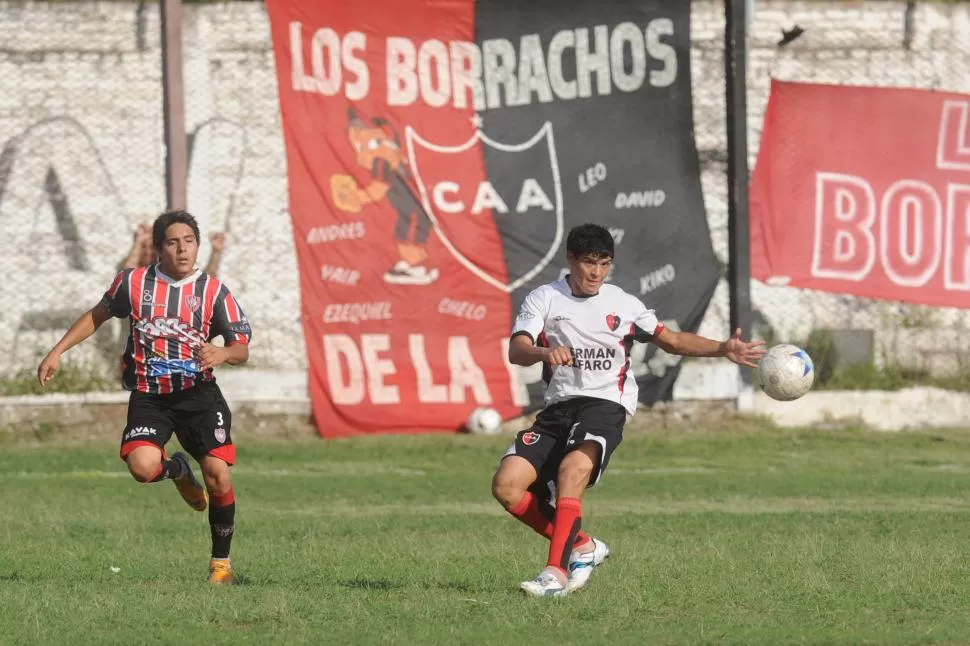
(176, 283)
(582, 297)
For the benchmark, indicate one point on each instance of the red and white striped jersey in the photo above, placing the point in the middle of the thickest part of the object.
(169, 322)
(600, 331)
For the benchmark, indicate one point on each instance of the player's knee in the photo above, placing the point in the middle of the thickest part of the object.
(215, 474)
(144, 462)
(506, 491)
(573, 475)
(576, 475)
(143, 470)
(217, 481)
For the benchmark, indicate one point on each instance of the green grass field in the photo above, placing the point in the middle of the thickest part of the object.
(741, 536)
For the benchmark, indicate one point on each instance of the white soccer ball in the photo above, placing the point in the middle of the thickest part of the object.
(786, 372)
(484, 421)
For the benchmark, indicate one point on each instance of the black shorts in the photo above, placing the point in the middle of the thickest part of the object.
(199, 417)
(561, 428)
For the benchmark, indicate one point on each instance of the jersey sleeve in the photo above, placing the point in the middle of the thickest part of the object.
(228, 319)
(532, 316)
(646, 323)
(117, 299)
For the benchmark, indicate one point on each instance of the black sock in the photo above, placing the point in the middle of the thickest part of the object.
(169, 469)
(222, 524)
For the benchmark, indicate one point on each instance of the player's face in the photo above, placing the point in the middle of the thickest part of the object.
(179, 251)
(587, 273)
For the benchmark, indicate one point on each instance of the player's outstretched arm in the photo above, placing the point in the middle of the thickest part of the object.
(86, 325)
(687, 344)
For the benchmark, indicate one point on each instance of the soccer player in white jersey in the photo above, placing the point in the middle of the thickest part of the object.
(582, 329)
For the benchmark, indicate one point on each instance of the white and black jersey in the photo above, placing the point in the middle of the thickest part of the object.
(599, 330)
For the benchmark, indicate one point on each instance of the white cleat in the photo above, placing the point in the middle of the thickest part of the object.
(581, 565)
(544, 585)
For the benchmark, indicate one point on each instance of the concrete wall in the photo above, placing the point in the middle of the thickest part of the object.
(82, 155)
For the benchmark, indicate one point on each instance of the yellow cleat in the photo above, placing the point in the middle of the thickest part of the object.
(192, 492)
(220, 572)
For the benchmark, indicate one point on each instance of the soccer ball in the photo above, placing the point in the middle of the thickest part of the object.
(786, 372)
(484, 421)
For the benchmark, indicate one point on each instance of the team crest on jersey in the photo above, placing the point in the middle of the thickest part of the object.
(530, 437)
(220, 434)
(613, 322)
(193, 302)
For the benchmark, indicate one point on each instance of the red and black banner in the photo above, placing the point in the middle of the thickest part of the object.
(865, 191)
(438, 153)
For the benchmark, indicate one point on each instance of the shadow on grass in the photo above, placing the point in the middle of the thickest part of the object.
(369, 584)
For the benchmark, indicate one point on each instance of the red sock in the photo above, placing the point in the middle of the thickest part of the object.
(528, 512)
(565, 529)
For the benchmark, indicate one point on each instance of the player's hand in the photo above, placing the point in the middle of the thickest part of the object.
(559, 356)
(48, 368)
(344, 190)
(218, 241)
(744, 353)
(210, 356)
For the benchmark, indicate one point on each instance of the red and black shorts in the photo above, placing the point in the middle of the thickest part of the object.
(562, 428)
(198, 416)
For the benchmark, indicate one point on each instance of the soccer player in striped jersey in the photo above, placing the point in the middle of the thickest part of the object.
(582, 329)
(142, 254)
(174, 312)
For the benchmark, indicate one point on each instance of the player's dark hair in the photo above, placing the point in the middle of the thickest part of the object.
(167, 219)
(590, 239)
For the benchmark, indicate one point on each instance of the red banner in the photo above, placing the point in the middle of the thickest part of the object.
(438, 154)
(864, 191)
(399, 339)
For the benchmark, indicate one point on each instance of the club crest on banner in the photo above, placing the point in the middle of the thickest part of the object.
(526, 201)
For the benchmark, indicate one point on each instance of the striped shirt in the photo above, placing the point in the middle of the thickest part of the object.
(169, 321)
